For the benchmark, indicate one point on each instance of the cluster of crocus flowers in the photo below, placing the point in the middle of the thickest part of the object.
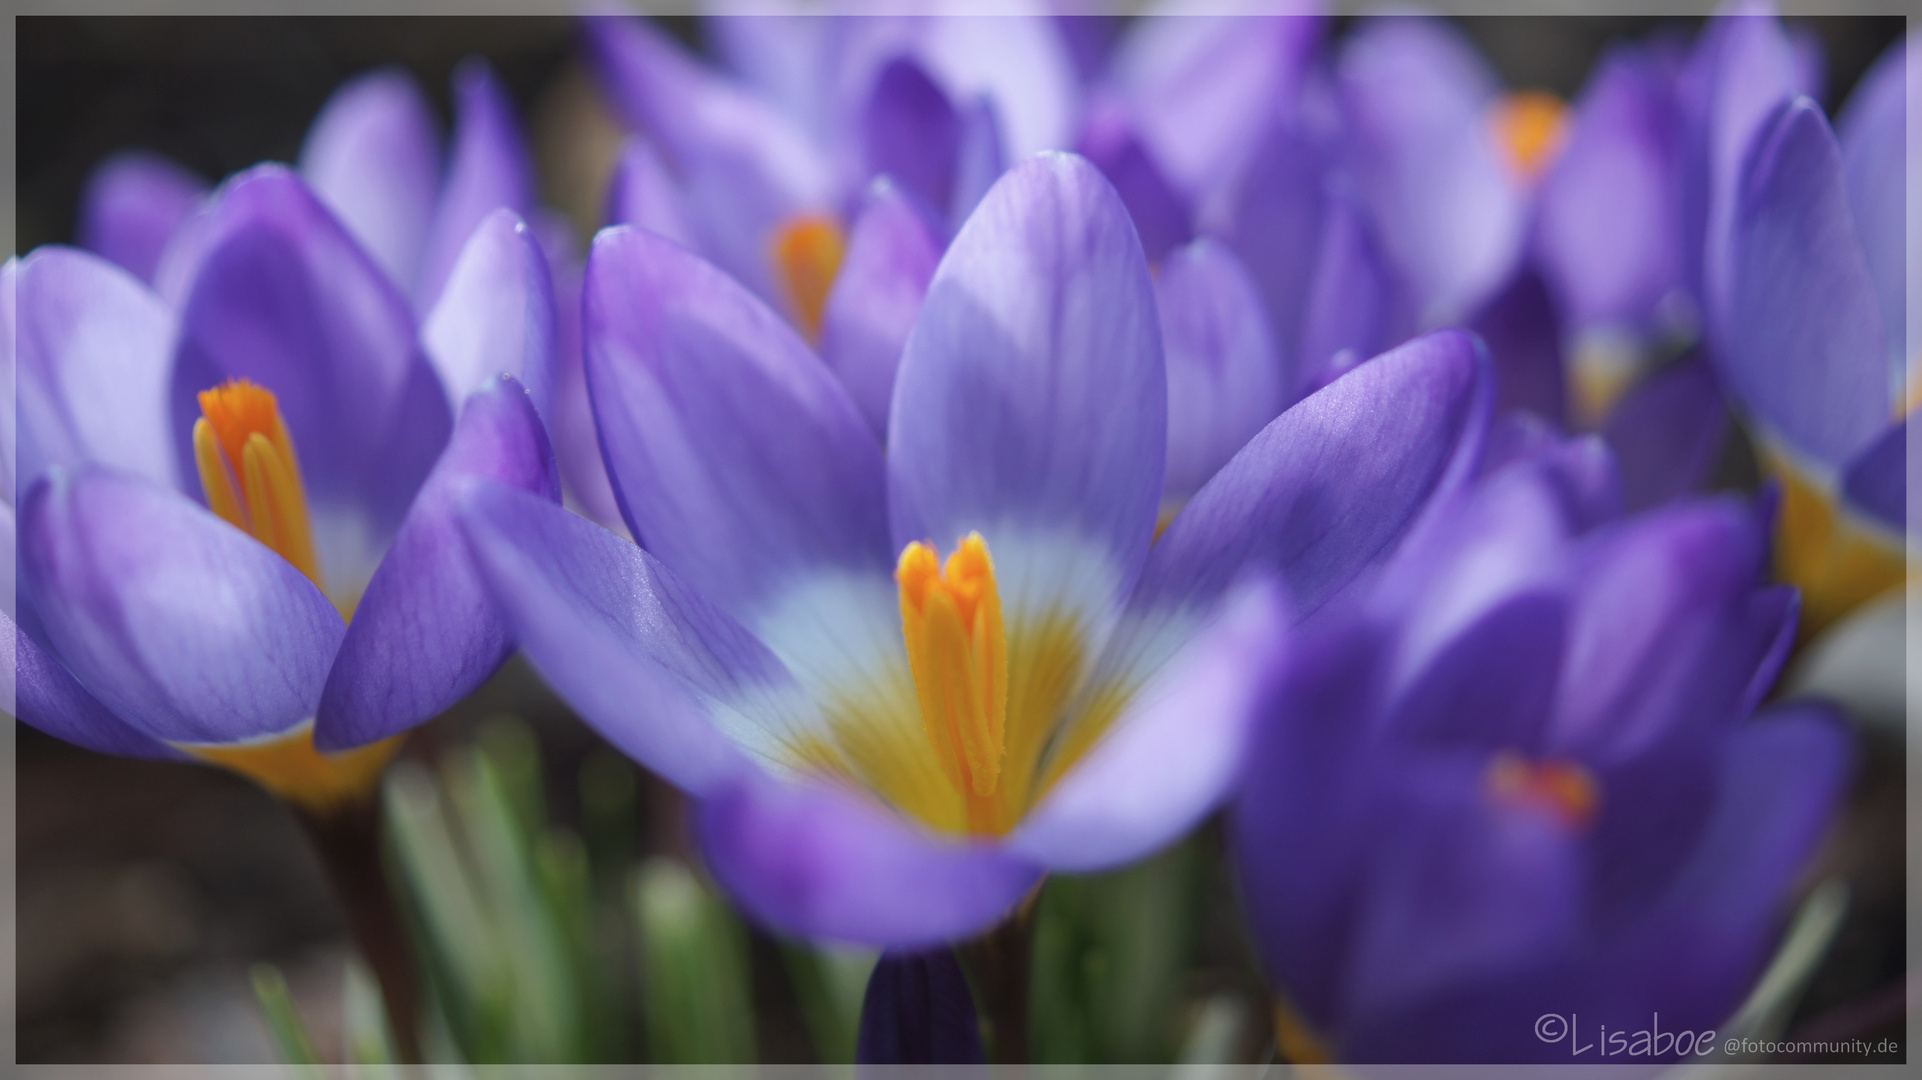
(232, 491)
(1521, 775)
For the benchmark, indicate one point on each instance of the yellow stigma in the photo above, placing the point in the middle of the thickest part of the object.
(1837, 560)
(1530, 126)
(958, 652)
(1563, 788)
(290, 767)
(807, 255)
(249, 472)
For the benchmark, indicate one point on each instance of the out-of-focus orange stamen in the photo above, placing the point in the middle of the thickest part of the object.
(1563, 788)
(293, 769)
(250, 473)
(807, 254)
(1530, 126)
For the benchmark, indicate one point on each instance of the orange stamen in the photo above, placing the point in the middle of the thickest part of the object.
(250, 473)
(958, 652)
(1562, 788)
(1530, 127)
(807, 255)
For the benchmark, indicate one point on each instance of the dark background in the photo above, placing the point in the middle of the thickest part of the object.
(145, 890)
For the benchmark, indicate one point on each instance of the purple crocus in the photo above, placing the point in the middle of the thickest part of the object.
(1809, 339)
(234, 513)
(1514, 793)
(889, 748)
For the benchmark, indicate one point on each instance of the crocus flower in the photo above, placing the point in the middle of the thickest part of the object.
(1519, 779)
(918, 1011)
(889, 747)
(1805, 341)
(233, 515)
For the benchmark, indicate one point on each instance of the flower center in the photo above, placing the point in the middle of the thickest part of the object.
(1561, 788)
(958, 652)
(1838, 559)
(807, 255)
(1530, 126)
(249, 472)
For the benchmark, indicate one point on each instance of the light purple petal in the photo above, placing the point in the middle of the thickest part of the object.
(1225, 381)
(1206, 85)
(1743, 70)
(373, 156)
(744, 167)
(91, 348)
(1173, 755)
(1160, 215)
(1032, 391)
(181, 624)
(1876, 165)
(643, 192)
(1877, 482)
(1327, 488)
(1665, 433)
(577, 442)
(891, 255)
(637, 654)
(1275, 218)
(738, 458)
(488, 168)
(1804, 350)
(910, 132)
(817, 860)
(1354, 309)
(132, 205)
(1523, 332)
(426, 632)
(1608, 213)
(1414, 100)
(496, 315)
(979, 161)
(1015, 60)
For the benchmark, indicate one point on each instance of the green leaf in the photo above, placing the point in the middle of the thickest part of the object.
(830, 983)
(283, 1022)
(695, 988)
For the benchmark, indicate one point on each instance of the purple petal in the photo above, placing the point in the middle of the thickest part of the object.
(1173, 755)
(744, 168)
(496, 315)
(1608, 213)
(1160, 215)
(182, 625)
(980, 159)
(911, 133)
(426, 633)
(1743, 70)
(738, 458)
(89, 347)
(644, 193)
(577, 443)
(132, 205)
(1015, 60)
(1328, 487)
(918, 1011)
(1276, 222)
(1032, 392)
(373, 156)
(1658, 606)
(817, 860)
(1205, 86)
(1665, 433)
(1523, 332)
(635, 652)
(877, 294)
(1353, 304)
(1700, 947)
(1490, 684)
(1224, 380)
(1415, 98)
(488, 168)
(285, 298)
(1804, 351)
(1873, 130)
(1877, 481)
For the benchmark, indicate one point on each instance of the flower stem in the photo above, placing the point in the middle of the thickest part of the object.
(999, 965)
(347, 839)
